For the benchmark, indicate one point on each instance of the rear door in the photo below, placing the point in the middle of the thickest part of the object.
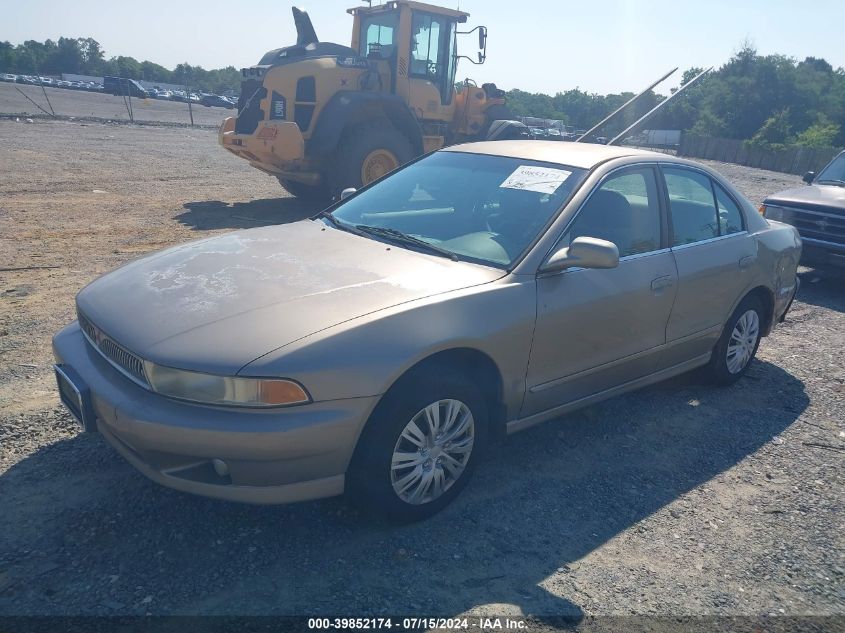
(597, 329)
(713, 253)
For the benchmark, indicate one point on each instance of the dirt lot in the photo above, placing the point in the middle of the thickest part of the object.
(75, 103)
(682, 499)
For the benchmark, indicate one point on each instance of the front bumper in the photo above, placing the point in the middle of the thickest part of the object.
(276, 147)
(271, 455)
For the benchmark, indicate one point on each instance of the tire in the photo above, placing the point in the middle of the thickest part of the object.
(498, 112)
(373, 479)
(741, 337)
(308, 193)
(366, 143)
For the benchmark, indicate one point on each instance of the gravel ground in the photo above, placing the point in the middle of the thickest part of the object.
(73, 103)
(682, 499)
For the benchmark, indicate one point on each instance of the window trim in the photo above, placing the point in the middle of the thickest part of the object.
(662, 208)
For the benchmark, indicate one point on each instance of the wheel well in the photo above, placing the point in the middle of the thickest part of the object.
(347, 109)
(477, 366)
(767, 297)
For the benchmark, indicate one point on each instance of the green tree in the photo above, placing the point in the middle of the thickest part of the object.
(823, 133)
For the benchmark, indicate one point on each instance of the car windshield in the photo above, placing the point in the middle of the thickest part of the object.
(481, 208)
(834, 172)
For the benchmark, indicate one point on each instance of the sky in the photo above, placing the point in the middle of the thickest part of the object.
(600, 46)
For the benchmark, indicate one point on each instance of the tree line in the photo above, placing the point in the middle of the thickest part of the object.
(769, 100)
(85, 56)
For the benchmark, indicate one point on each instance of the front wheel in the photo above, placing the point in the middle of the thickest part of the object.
(420, 447)
(318, 194)
(738, 344)
(366, 153)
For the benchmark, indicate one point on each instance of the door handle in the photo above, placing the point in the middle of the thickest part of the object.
(661, 282)
(747, 261)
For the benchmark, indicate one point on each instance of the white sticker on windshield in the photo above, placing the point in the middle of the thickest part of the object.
(539, 179)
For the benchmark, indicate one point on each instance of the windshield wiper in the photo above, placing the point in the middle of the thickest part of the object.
(404, 238)
(838, 183)
(343, 226)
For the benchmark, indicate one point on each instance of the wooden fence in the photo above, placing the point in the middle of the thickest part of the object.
(793, 159)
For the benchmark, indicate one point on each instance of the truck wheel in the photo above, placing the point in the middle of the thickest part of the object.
(367, 153)
(318, 194)
(498, 112)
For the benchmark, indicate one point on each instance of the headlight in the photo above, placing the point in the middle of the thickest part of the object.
(224, 390)
(770, 212)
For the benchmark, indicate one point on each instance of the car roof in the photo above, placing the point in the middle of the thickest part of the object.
(584, 155)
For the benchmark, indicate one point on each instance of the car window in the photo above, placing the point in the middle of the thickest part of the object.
(691, 205)
(834, 172)
(485, 208)
(623, 210)
(730, 217)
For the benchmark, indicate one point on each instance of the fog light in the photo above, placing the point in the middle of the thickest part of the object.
(220, 467)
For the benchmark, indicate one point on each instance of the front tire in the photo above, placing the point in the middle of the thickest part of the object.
(308, 193)
(366, 153)
(738, 344)
(420, 447)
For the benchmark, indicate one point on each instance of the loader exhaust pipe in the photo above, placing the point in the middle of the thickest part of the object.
(305, 33)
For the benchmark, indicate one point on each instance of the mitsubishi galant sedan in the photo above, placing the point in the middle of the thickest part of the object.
(378, 347)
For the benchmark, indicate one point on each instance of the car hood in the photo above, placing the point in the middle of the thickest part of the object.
(217, 304)
(812, 196)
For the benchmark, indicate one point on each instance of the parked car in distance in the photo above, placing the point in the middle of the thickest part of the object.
(537, 132)
(817, 211)
(553, 134)
(378, 347)
(216, 100)
(8, 77)
(121, 86)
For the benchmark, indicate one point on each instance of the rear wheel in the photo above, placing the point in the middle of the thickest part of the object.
(420, 447)
(367, 153)
(739, 342)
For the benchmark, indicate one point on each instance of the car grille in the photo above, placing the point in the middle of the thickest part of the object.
(121, 358)
(817, 225)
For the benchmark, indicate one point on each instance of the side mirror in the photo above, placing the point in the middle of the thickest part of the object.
(584, 252)
(347, 192)
(809, 177)
(482, 37)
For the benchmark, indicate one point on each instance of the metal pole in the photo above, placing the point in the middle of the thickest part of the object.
(188, 99)
(44, 90)
(33, 102)
(651, 112)
(604, 121)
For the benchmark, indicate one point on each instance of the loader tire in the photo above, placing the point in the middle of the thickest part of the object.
(366, 153)
(311, 194)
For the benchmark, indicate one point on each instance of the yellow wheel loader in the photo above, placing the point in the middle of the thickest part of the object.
(322, 117)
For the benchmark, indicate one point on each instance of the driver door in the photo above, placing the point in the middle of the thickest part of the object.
(431, 69)
(597, 329)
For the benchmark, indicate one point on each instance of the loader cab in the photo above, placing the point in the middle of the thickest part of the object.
(419, 42)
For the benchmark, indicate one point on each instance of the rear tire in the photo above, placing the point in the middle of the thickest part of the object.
(738, 344)
(392, 455)
(366, 153)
